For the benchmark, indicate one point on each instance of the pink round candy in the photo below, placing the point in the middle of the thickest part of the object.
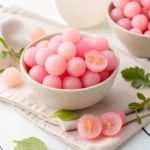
(100, 43)
(147, 33)
(145, 11)
(42, 44)
(112, 60)
(57, 37)
(117, 14)
(125, 23)
(140, 21)
(29, 56)
(136, 30)
(76, 67)
(55, 65)
(90, 78)
(38, 73)
(71, 35)
(120, 3)
(41, 55)
(72, 83)
(132, 9)
(53, 45)
(11, 77)
(36, 33)
(67, 49)
(52, 81)
(146, 3)
(104, 75)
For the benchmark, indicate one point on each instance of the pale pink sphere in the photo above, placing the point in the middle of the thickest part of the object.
(41, 55)
(36, 33)
(145, 11)
(57, 37)
(11, 77)
(56, 65)
(67, 49)
(42, 44)
(53, 45)
(29, 56)
(140, 21)
(52, 81)
(136, 30)
(132, 9)
(147, 33)
(71, 35)
(38, 73)
(117, 14)
(112, 60)
(146, 3)
(90, 78)
(76, 67)
(100, 43)
(125, 23)
(104, 75)
(72, 83)
(120, 3)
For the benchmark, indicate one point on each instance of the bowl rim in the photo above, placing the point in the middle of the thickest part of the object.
(114, 23)
(65, 90)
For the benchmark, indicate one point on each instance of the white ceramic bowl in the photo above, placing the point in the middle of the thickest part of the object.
(82, 13)
(138, 45)
(69, 99)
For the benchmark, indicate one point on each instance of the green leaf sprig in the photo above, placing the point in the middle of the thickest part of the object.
(4, 54)
(137, 76)
(136, 107)
(31, 143)
(66, 115)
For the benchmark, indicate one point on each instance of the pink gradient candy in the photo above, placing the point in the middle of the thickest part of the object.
(145, 11)
(112, 60)
(147, 33)
(146, 3)
(120, 3)
(125, 23)
(38, 73)
(90, 78)
(95, 61)
(111, 123)
(140, 21)
(67, 49)
(136, 30)
(52, 81)
(41, 55)
(117, 14)
(76, 67)
(104, 75)
(132, 9)
(53, 45)
(57, 37)
(72, 83)
(29, 56)
(36, 33)
(11, 77)
(89, 126)
(42, 44)
(100, 44)
(122, 115)
(83, 46)
(71, 35)
(55, 65)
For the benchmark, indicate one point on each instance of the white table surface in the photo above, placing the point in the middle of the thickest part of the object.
(21, 127)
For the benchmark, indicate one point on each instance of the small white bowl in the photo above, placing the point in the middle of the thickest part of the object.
(138, 45)
(69, 99)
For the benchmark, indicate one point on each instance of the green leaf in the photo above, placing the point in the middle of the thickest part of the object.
(133, 105)
(21, 51)
(3, 55)
(3, 42)
(66, 115)
(137, 84)
(147, 76)
(31, 143)
(141, 96)
(140, 109)
(138, 118)
(2, 70)
(148, 106)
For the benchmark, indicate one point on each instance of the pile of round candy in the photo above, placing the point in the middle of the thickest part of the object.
(108, 124)
(133, 15)
(70, 61)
